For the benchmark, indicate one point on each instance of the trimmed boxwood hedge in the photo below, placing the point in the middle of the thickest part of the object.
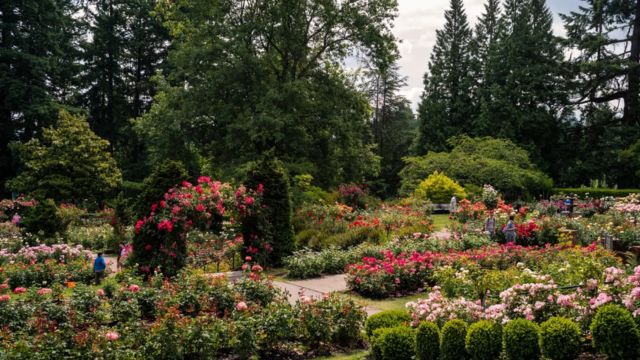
(615, 333)
(386, 319)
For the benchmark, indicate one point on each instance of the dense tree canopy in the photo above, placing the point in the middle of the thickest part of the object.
(253, 76)
(215, 84)
(479, 161)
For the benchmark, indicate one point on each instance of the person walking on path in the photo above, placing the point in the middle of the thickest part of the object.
(490, 225)
(510, 230)
(99, 266)
(453, 204)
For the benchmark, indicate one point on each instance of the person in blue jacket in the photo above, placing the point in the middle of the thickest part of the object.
(99, 265)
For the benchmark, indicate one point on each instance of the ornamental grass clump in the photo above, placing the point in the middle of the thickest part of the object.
(484, 340)
(559, 339)
(615, 333)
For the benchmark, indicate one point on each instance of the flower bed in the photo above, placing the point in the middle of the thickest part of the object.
(408, 272)
(194, 316)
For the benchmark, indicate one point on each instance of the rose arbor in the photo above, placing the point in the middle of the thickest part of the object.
(160, 237)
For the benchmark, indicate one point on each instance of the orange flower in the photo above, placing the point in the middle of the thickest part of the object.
(71, 284)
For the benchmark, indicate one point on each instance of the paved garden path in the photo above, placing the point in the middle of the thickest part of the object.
(444, 234)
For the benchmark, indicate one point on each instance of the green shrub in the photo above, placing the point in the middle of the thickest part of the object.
(353, 237)
(397, 343)
(595, 193)
(484, 340)
(274, 225)
(162, 177)
(452, 340)
(43, 219)
(386, 319)
(304, 264)
(427, 341)
(615, 333)
(521, 340)
(439, 188)
(376, 344)
(559, 339)
(309, 238)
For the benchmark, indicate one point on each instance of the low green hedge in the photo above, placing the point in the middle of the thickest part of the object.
(386, 319)
(427, 341)
(598, 193)
(615, 333)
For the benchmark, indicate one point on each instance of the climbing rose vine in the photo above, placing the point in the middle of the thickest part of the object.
(160, 237)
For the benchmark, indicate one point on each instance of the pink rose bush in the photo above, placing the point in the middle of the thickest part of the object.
(160, 237)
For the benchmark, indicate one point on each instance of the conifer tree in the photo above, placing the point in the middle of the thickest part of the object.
(445, 108)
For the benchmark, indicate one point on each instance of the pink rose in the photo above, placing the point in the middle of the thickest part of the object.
(241, 306)
(248, 200)
(19, 290)
(112, 336)
(134, 288)
(100, 292)
(44, 291)
(4, 298)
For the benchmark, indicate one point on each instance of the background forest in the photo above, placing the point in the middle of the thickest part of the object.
(216, 84)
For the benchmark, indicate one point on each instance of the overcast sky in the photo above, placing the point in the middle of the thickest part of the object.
(416, 26)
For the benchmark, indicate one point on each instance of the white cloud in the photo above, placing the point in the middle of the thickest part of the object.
(416, 26)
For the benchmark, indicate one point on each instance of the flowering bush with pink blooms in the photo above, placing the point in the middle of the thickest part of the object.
(160, 237)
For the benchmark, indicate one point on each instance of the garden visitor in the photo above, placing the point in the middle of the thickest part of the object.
(99, 265)
(122, 253)
(453, 204)
(510, 230)
(490, 225)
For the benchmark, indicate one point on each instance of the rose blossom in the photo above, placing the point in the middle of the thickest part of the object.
(44, 291)
(4, 298)
(112, 336)
(134, 288)
(241, 306)
(19, 290)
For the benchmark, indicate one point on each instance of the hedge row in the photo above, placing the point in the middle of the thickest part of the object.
(598, 193)
(613, 329)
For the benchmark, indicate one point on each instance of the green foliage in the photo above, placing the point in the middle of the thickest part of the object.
(275, 228)
(261, 86)
(480, 161)
(439, 188)
(595, 193)
(615, 333)
(353, 237)
(397, 343)
(452, 340)
(560, 339)
(43, 219)
(521, 340)
(303, 192)
(70, 163)
(446, 106)
(427, 341)
(163, 177)
(386, 319)
(484, 340)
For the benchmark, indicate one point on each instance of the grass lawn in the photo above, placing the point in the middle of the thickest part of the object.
(385, 304)
(355, 355)
(440, 221)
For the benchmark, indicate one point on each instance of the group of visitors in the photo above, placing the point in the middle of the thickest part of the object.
(100, 265)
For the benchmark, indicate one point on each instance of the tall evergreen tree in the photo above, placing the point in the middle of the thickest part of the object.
(605, 39)
(529, 103)
(37, 67)
(445, 108)
(486, 69)
(126, 47)
(392, 124)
